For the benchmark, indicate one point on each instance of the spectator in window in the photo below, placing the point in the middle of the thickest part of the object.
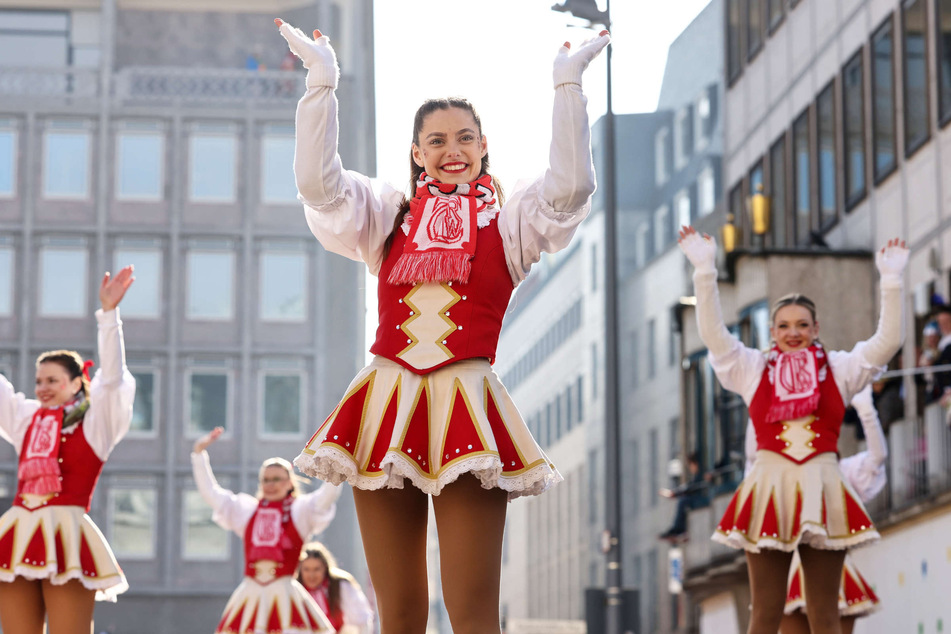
(690, 495)
(273, 525)
(928, 356)
(336, 591)
(54, 562)
(943, 378)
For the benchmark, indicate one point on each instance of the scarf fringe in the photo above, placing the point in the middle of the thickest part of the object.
(791, 410)
(432, 266)
(40, 476)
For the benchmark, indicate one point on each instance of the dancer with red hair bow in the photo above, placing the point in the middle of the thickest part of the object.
(794, 496)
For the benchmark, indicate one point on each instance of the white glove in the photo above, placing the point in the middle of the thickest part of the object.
(700, 250)
(890, 261)
(569, 66)
(318, 56)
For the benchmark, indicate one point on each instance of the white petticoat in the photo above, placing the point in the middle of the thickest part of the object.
(856, 597)
(58, 543)
(281, 606)
(394, 424)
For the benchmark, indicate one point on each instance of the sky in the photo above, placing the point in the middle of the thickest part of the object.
(498, 54)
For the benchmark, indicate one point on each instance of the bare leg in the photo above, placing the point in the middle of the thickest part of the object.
(470, 521)
(393, 528)
(795, 623)
(822, 576)
(847, 624)
(69, 606)
(768, 571)
(22, 610)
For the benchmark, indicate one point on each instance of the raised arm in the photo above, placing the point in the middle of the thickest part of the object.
(16, 413)
(231, 511)
(882, 346)
(356, 609)
(341, 207)
(543, 217)
(313, 512)
(112, 389)
(865, 471)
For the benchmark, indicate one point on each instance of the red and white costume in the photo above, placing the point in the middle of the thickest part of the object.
(865, 471)
(50, 536)
(429, 407)
(269, 600)
(354, 613)
(794, 492)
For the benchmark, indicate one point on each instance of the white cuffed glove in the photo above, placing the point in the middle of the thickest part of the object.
(570, 65)
(700, 250)
(890, 261)
(318, 56)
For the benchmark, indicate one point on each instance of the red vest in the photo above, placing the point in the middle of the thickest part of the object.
(796, 442)
(79, 466)
(426, 326)
(271, 528)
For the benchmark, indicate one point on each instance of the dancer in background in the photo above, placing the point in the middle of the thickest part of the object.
(336, 591)
(429, 416)
(54, 562)
(794, 496)
(273, 525)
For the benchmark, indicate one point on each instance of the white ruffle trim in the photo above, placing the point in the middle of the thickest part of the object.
(813, 536)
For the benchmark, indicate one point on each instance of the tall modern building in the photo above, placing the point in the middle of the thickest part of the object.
(552, 353)
(160, 133)
(838, 113)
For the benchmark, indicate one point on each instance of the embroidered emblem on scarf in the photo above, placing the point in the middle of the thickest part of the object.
(39, 465)
(795, 377)
(268, 530)
(443, 226)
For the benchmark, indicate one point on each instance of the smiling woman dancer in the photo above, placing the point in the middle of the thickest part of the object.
(429, 416)
(54, 562)
(273, 525)
(794, 496)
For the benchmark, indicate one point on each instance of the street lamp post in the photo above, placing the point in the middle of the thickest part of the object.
(588, 10)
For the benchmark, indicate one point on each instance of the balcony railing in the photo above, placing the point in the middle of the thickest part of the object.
(152, 85)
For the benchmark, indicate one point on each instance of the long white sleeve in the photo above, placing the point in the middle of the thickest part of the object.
(16, 413)
(313, 512)
(112, 389)
(879, 349)
(865, 471)
(356, 609)
(232, 511)
(340, 206)
(543, 217)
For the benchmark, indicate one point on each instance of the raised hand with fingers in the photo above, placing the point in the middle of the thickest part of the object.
(317, 54)
(113, 288)
(700, 250)
(203, 443)
(891, 260)
(569, 66)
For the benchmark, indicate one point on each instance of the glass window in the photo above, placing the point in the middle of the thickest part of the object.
(7, 272)
(204, 540)
(140, 159)
(825, 117)
(734, 47)
(34, 38)
(653, 474)
(132, 512)
(283, 292)
(579, 393)
(777, 189)
(210, 285)
(144, 298)
(660, 156)
(706, 191)
(212, 165)
(651, 349)
(853, 122)
(277, 166)
(883, 100)
(63, 274)
(915, 71)
(66, 146)
(943, 49)
(802, 174)
(642, 244)
(776, 9)
(143, 408)
(8, 159)
(208, 401)
(683, 136)
(702, 112)
(754, 15)
(282, 403)
(682, 209)
(756, 178)
(662, 233)
(737, 210)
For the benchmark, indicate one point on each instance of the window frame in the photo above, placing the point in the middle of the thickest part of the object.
(783, 140)
(226, 535)
(72, 127)
(733, 74)
(156, 401)
(806, 116)
(187, 374)
(80, 247)
(913, 145)
(944, 109)
(853, 199)
(227, 130)
(262, 430)
(754, 50)
(155, 247)
(271, 131)
(232, 312)
(9, 245)
(298, 250)
(820, 221)
(886, 26)
(115, 486)
(159, 133)
(11, 125)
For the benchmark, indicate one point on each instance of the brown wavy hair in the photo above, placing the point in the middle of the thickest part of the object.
(69, 360)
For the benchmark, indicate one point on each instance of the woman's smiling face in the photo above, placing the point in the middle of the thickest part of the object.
(793, 328)
(450, 147)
